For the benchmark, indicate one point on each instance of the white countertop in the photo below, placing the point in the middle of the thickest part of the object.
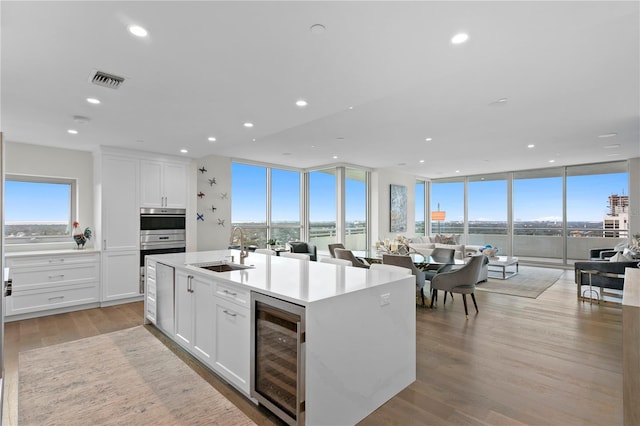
(298, 281)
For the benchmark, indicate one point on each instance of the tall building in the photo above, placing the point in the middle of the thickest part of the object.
(616, 223)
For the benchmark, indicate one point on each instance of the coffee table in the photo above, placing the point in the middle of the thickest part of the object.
(501, 263)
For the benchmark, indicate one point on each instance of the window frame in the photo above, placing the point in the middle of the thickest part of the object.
(73, 208)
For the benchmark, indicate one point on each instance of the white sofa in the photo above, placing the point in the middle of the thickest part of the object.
(426, 244)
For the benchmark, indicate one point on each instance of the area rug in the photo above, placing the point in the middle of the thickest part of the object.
(530, 282)
(123, 378)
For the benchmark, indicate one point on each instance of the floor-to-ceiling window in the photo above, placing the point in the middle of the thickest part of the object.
(447, 201)
(355, 209)
(420, 207)
(322, 207)
(265, 202)
(249, 202)
(285, 221)
(487, 211)
(537, 215)
(597, 207)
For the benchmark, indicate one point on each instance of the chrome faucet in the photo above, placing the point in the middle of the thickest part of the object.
(243, 253)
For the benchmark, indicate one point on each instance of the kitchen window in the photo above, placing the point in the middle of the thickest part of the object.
(38, 209)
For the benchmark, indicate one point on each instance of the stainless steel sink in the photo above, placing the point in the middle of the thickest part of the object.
(221, 266)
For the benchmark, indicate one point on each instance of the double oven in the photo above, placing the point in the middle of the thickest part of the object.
(162, 230)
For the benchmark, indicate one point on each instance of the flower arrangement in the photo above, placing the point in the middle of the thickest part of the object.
(81, 236)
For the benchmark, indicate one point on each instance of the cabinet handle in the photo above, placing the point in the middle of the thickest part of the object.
(104, 244)
(230, 293)
(56, 260)
(56, 276)
(56, 297)
(189, 285)
(231, 314)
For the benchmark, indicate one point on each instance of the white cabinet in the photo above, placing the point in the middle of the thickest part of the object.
(150, 305)
(119, 227)
(45, 283)
(194, 317)
(232, 344)
(163, 184)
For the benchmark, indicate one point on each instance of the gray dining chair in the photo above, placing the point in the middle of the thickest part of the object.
(461, 281)
(333, 247)
(343, 262)
(348, 255)
(406, 261)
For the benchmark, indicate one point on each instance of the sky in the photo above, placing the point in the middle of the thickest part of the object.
(36, 202)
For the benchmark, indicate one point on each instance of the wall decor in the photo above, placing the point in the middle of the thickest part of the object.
(223, 196)
(213, 208)
(200, 216)
(202, 169)
(212, 182)
(398, 208)
(221, 222)
(200, 194)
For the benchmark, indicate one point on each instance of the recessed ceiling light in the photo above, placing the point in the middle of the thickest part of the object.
(254, 139)
(335, 157)
(459, 38)
(301, 103)
(608, 135)
(247, 124)
(422, 161)
(317, 29)
(138, 31)
(457, 171)
(612, 146)
(552, 161)
(72, 131)
(502, 100)
(211, 139)
(428, 139)
(350, 107)
(81, 119)
(184, 151)
(530, 145)
(93, 101)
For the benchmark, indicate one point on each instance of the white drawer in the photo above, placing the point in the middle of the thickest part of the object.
(233, 294)
(37, 277)
(59, 260)
(151, 289)
(31, 301)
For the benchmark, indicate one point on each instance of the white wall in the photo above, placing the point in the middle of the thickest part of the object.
(380, 203)
(209, 233)
(37, 160)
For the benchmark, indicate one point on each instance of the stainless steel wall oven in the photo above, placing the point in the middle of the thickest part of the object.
(162, 230)
(278, 357)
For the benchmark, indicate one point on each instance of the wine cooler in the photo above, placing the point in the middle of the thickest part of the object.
(278, 357)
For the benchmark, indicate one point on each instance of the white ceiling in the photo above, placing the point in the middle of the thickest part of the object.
(570, 72)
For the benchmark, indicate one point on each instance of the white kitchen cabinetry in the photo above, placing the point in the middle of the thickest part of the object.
(46, 284)
(193, 314)
(163, 184)
(150, 302)
(232, 341)
(119, 227)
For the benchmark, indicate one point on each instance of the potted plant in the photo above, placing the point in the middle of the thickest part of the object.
(271, 242)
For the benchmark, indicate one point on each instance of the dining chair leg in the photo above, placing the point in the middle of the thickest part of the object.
(464, 300)
(422, 295)
(473, 297)
(444, 302)
(451, 296)
(434, 296)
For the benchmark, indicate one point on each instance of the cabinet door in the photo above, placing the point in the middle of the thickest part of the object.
(120, 210)
(232, 343)
(175, 185)
(151, 194)
(121, 275)
(204, 317)
(184, 310)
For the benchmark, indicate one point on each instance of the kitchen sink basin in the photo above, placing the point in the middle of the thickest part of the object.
(221, 267)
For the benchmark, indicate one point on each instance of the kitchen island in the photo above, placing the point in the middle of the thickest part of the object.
(357, 346)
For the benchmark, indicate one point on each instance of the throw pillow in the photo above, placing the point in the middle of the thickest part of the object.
(490, 252)
(618, 257)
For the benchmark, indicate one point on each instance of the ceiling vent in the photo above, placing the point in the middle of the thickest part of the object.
(105, 79)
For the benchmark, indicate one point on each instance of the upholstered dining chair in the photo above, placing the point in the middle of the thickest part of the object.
(343, 262)
(265, 251)
(334, 246)
(301, 256)
(445, 258)
(348, 255)
(404, 261)
(461, 281)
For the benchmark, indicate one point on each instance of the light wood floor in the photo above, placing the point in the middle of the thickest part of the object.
(551, 360)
